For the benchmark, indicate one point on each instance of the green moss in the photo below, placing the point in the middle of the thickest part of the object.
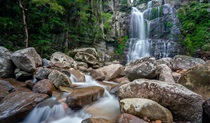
(195, 22)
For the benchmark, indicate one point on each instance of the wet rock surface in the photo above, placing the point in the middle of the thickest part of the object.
(83, 96)
(5, 89)
(77, 75)
(15, 106)
(44, 86)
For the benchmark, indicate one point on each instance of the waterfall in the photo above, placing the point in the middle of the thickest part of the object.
(139, 48)
(153, 32)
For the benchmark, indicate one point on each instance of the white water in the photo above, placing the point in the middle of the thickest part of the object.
(139, 48)
(142, 42)
(107, 107)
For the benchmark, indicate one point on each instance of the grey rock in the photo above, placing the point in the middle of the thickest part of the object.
(141, 68)
(26, 59)
(184, 104)
(6, 65)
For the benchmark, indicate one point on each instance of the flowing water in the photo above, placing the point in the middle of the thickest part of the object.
(153, 32)
(139, 48)
(51, 111)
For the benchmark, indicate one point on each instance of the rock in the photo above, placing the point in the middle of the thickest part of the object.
(86, 50)
(97, 74)
(121, 80)
(42, 73)
(59, 79)
(5, 89)
(206, 111)
(83, 96)
(197, 79)
(80, 65)
(61, 60)
(184, 104)
(26, 59)
(18, 86)
(128, 118)
(165, 73)
(176, 76)
(167, 61)
(30, 83)
(112, 71)
(22, 75)
(146, 108)
(96, 120)
(99, 109)
(6, 65)
(65, 89)
(86, 57)
(44, 86)
(185, 62)
(15, 106)
(46, 63)
(77, 75)
(141, 68)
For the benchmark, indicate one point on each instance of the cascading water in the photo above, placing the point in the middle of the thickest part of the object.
(153, 32)
(140, 46)
(52, 111)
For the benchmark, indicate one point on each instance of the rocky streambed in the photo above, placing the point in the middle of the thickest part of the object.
(78, 87)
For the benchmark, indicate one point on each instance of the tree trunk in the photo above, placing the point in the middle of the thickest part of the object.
(24, 23)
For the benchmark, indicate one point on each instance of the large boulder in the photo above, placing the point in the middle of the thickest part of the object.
(83, 96)
(206, 111)
(5, 89)
(184, 104)
(59, 79)
(61, 60)
(27, 59)
(128, 118)
(165, 73)
(15, 106)
(145, 108)
(185, 62)
(112, 71)
(197, 79)
(141, 68)
(6, 64)
(44, 86)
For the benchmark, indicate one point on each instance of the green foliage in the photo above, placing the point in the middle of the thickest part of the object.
(195, 21)
(121, 44)
(77, 22)
(206, 47)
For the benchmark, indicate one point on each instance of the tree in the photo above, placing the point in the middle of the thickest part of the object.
(25, 27)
